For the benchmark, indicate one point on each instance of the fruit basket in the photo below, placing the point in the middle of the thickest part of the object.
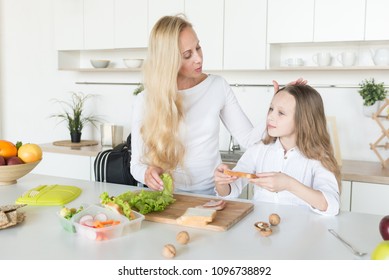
(9, 174)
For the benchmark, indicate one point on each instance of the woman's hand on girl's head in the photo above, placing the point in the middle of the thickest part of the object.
(299, 81)
(153, 179)
(272, 181)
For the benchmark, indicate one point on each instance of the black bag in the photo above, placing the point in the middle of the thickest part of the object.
(113, 165)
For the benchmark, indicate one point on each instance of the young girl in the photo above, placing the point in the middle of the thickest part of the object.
(294, 163)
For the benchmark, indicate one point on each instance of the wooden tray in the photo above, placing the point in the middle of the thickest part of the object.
(225, 219)
(68, 143)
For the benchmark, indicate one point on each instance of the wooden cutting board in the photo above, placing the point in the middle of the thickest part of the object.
(225, 219)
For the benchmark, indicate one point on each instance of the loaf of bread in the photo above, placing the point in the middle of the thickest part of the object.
(240, 174)
(197, 217)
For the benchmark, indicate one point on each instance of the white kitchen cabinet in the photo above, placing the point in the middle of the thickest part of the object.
(207, 18)
(370, 198)
(65, 165)
(130, 24)
(286, 26)
(98, 24)
(101, 24)
(345, 196)
(69, 24)
(377, 20)
(244, 34)
(158, 9)
(339, 20)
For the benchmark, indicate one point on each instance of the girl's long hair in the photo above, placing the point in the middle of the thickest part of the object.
(313, 138)
(160, 128)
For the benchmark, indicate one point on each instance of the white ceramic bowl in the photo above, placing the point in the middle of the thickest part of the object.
(99, 63)
(133, 63)
(10, 173)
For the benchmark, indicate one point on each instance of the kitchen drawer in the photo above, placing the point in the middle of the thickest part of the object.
(65, 165)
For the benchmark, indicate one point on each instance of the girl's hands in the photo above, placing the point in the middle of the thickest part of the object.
(222, 180)
(299, 81)
(152, 179)
(273, 181)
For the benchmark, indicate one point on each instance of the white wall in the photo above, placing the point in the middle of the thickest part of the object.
(29, 80)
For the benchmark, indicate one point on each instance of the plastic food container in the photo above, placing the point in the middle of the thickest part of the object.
(106, 233)
(66, 224)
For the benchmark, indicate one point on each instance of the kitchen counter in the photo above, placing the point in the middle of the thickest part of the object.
(301, 234)
(365, 171)
(352, 170)
(90, 151)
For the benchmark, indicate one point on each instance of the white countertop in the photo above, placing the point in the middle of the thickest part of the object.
(301, 235)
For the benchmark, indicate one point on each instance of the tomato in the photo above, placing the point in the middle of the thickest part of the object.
(30, 153)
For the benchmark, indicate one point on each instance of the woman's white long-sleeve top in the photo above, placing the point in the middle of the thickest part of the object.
(272, 158)
(204, 105)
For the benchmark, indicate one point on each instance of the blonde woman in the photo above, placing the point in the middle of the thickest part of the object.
(176, 119)
(295, 162)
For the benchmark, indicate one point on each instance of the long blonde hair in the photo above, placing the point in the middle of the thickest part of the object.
(313, 139)
(160, 128)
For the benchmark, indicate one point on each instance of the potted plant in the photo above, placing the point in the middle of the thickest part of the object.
(371, 93)
(74, 117)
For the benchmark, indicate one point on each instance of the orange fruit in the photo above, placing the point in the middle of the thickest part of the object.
(30, 152)
(7, 149)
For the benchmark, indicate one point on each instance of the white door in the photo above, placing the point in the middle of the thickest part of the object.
(370, 198)
(377, 20)
(339, 20)
(207, 18)
(290, 21)
(131, 24)
(65, 165)
(345, 196)
(160, 8)
(244, 34)
(69, 24)
(99, 24)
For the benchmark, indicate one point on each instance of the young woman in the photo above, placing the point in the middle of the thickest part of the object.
(176, 119)
(295, 163)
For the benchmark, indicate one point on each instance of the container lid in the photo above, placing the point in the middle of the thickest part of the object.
(49, 195)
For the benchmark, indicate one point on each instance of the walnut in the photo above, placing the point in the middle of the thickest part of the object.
(263, 228)
(274, 219)
(183, 237)
(169, 251)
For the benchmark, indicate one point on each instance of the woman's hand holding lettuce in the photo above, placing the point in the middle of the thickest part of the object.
(143, 201)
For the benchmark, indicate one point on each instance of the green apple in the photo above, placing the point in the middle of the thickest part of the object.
(381, 252)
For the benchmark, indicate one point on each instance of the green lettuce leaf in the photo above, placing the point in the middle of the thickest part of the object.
(167, 184)
(145, 201)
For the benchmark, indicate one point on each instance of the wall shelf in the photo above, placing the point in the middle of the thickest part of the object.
(101, 69)
(279, 54)
(318, 68)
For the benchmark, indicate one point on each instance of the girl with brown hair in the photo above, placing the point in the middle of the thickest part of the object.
(295, 162)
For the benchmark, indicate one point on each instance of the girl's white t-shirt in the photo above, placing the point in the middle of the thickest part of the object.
(272, 158)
